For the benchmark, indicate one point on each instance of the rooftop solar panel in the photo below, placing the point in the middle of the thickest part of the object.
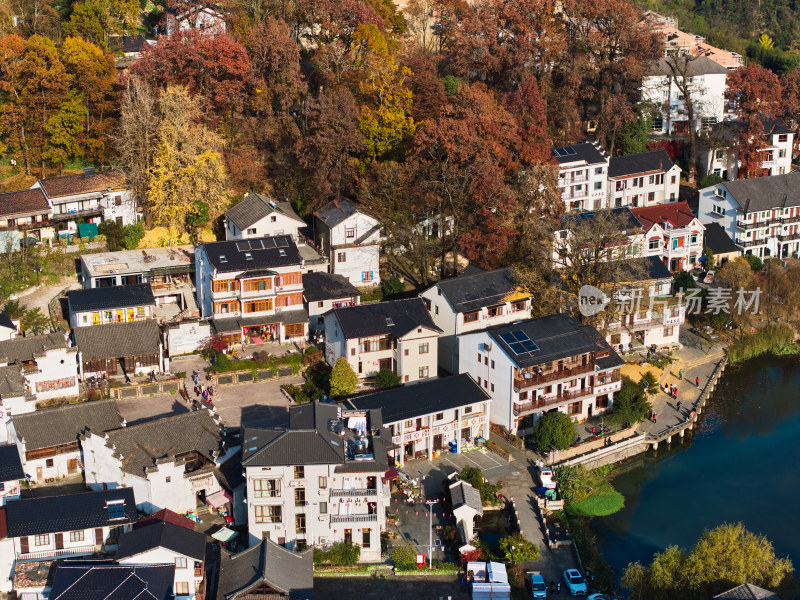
(516, 348)
(508, 338)
(269, 243)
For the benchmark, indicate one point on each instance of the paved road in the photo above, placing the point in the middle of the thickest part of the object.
(396, 588)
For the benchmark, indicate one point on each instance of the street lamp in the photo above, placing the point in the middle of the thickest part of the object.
(430, 504)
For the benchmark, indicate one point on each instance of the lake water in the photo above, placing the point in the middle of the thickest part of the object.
(741, 464)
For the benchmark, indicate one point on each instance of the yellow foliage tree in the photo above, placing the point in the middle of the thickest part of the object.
(187, 170)
(766, 41)
(385, 115)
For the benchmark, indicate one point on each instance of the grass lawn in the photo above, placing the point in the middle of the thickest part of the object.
(600, 504)
(588, 493)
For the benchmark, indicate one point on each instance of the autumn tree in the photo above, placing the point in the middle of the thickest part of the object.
(94, 78)
(37, 17)
(790, 102)
(682, 75)
(756, 95)
(724, 557)
(97, 20)
(135, 137)
(64, 129)
(215, 69)
(427, 89)
(187, 168)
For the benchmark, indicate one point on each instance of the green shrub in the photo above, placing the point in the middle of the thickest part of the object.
(516, 549)
(630, 403)
(554, 429)
(403, 557)
(386, 378)
(392, 287)
(755, 263)
(474, 477)
(709, 180)
(775, 339)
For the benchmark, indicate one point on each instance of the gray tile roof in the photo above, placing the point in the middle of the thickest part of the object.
(765, 193)
(255, 207)
(266, 252)
(287, 317)
(732, 128)
(141, 447)
(395, 317)
(701, 65)
(12, 382)
(162, 535)
(289, 572)
(622, 216)
(556, 336)
(28, 348)
(642, 162)
(326, 286)
(338, 211)
(51, 514)
(467, 293)
(10, 463)
(646, 268)
(748, 591)
(586, 151)
(6, 322)
(463, 494)
(103, 580)
(140, 294)
(717, 240)
(116, 340)
(63, 425)
(426, 397)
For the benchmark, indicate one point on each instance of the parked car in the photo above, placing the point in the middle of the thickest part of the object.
(536, 585)
(547, 476)
(601, 597)
(576, 584)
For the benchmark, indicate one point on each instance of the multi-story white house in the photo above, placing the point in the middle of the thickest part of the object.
(252, 287)
(100, 306)
(48, 363)
(673, 233)
(51, 527)
(258, 216)
(319, 481)
(47, 440)
(539, 365)
(168, 543)
(718, 157)
(707, 83)
(91, 197)
(11, 473)
(471, 303)
(647, 313)
(398, 335)
(350, 239)
(440, 415)
(169, 462)
(761, 215)
(643, 179)
(582, 176)
(323, 292)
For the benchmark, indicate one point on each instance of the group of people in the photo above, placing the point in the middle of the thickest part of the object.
(202, 390)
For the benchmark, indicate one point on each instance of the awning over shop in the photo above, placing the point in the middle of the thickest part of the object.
(87, 230)
(218, 499)
(390, 475)
(225, 534)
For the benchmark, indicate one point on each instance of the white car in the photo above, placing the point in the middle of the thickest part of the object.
(576, 584)
(547, 476)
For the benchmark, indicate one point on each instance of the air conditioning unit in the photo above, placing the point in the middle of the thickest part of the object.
(323, 519)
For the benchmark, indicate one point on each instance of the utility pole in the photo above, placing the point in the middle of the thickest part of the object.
(430, 504)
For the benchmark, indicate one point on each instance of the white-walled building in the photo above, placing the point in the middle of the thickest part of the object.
(718, 157)
(471, 302)
(168, 462)
(89, 197)
(673, 233)
(9, 328)
(100, 306)
(350, 239)
(319, 481)
(643, 179)
(398, 335)
(707, 82)
(48, 363)
(11, 473)
(540, 365)
(440, 415)
(258, 216)
(25, 213)
(47, 440)
(167, 543)
(132, 348)
(252, 287)
(50, 527)
(323, 292)
(582, 176)
(761, 215)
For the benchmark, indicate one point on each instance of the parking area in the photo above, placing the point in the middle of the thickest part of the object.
(493, 467)
(259, 404)
(396, 588)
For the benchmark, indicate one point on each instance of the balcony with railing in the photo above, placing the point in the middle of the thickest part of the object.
(75, 213)
(751, 225)
(789, 237)
(60, 553)
(533, 379)
(356, 492)
(750, 243)
(521, 407)
(786, 220)
(372, 518)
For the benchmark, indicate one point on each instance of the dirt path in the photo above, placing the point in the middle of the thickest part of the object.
(42, 297)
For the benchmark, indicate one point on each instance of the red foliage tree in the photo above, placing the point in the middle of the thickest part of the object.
(214, 67)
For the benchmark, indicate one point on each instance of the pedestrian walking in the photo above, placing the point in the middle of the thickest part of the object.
(655, 417)
(680, 374)
(697, 381)
(675, 392)
(552, 587)
(558, 588)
